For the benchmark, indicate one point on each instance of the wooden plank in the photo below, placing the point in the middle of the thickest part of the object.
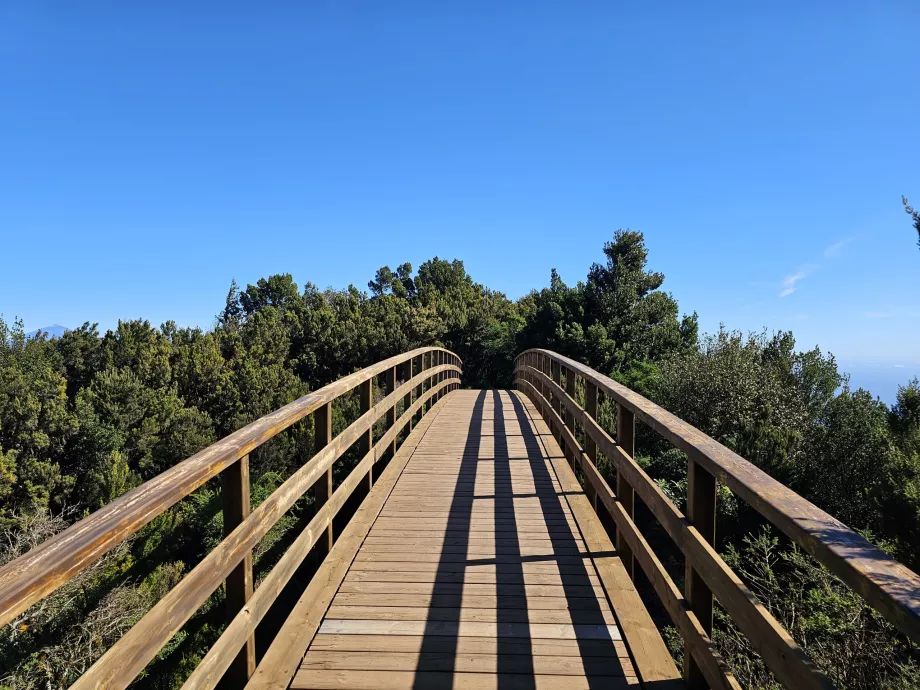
(537, 631)
(478, 576)
(490, 615)
(455, 662)
(701, 511)
(412, 644)
(322, 436)
(237, 504)
(626, 440)
(406, 680)
(492, 601)
(531, 592)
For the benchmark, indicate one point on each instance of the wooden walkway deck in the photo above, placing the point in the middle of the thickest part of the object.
(485, 567)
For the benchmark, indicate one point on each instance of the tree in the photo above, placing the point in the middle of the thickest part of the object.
(915, 216)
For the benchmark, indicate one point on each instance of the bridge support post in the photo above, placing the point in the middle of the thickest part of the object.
(557, 405)
(236, 504)
(366, 402)
(322, 489)
(626, 439)
(701, 511)
(419, 389)
(590, 445)
(407, 398)
(391, 413)
(569, 417)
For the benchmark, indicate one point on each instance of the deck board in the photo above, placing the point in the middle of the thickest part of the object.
(476, 572)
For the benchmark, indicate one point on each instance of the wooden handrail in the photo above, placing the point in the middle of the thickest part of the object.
(885, 584)
(38, 573)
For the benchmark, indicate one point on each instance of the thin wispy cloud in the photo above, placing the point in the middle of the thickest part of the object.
(834, 249)
(878, 314)
(790, 282)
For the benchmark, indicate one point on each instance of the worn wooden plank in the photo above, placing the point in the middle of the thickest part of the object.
(455, 662)
(406, 680)
(491, 629)
(413, 644)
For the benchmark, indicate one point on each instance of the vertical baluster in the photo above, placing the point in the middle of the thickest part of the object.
(701, 512)
(569, 417)
(322, 437)
(590, 445)
(420, 361)
(557, 379)
(391, 413)
(366, 442)
(407, 398)
(235, 489)
(626, 439)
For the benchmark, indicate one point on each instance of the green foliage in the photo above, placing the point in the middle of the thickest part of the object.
(850, 641)
(85, 418)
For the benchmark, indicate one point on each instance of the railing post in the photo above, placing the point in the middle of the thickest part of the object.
(322, 437)
(590, 445)
(569, 417)
(557, 405)
(420, 388)
(235, 489)
(701, 512)
(407, 398)
(626, 439)
(366, 401)
(391, 413)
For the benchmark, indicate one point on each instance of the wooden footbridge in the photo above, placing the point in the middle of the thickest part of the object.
(487, 549)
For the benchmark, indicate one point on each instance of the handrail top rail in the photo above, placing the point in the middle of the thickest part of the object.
(888, 585)
(37, 573)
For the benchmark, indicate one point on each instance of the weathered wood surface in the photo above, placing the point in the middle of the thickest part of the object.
(485, 567)
(787, 660)
(888, 586)
(42, 570)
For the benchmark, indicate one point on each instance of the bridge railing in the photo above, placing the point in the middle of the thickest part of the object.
(424, 376)
(550, 380)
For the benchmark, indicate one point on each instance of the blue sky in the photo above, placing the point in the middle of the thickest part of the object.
(149, 155)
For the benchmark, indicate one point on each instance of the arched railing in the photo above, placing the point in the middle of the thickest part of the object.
(551, 381)
(413, 382)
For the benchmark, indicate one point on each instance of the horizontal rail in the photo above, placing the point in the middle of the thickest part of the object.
(42, 570)
(885, 584)
(230, 561)
(127, 657)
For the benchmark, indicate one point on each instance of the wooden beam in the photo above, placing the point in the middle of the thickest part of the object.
(391, 414)
(366, 442)
(701, 511)
(626, 440)
(322, 436)
(590, 445)
(235, 490)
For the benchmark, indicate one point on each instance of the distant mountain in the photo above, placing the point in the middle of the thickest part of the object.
(53, 331)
